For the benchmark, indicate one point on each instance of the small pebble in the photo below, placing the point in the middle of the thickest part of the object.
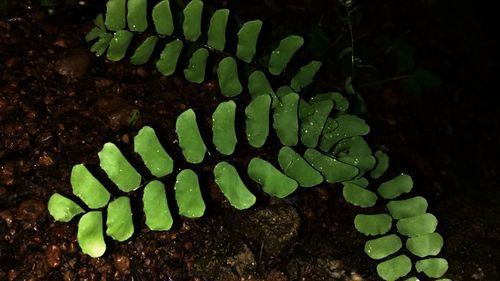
(53, 255)
(45, 160)
(122, 264)
(75, 65)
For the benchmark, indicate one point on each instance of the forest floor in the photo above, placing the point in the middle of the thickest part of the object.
(59, 105)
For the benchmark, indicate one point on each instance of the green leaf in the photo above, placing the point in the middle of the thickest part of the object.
(99, 22)
(394, 268)
(62, 208)
(383, 247)
(137, 15)
(195, 72)
(229, 82)
(305, 75)
(224, 133)
(346, 126)
(169, 57)
(358, 196)
(417, 225)
(283, 91)
(190, 140)
(257, 120)
(286, 121)
(361, 182)
(273, 182)
(152, 153)
(115, 15)
(378, 224)
(247, 40)
(119, 44)
(144, 51)
(355, 151)
(341, 103)
(297, 168)
(217, 30)
(332, 169)
(284, 53)
(312, 125)
(396, 186)
(162, 18)
(88, 188)
(259, 85)
(425, 245)
(381, 166)
(188, 194)
(192, 20)
(90, 236)
(94, 33)
(434, 268)
(326, 140)
(119, 224)
(233, 188)
(353, 146)
(156, 209)
(407, 208)
(101, 45)
(118, 168)
(305, 110)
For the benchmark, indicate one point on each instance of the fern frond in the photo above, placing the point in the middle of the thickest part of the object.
(115, 31)
(335, 150)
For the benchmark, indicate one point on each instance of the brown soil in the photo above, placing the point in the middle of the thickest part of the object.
(59, 105)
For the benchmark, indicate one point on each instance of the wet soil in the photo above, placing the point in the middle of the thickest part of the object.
(59, 105)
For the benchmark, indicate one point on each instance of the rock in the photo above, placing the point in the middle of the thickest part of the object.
(53, 256)
(274, 227)
(321, 269)
(45, 160)
(226, 259)
(122, 264)
(6, 216)
(75, 65)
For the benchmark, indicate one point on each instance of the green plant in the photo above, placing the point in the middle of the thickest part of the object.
(332, 141)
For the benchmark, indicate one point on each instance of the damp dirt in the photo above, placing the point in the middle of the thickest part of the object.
(59, 105)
